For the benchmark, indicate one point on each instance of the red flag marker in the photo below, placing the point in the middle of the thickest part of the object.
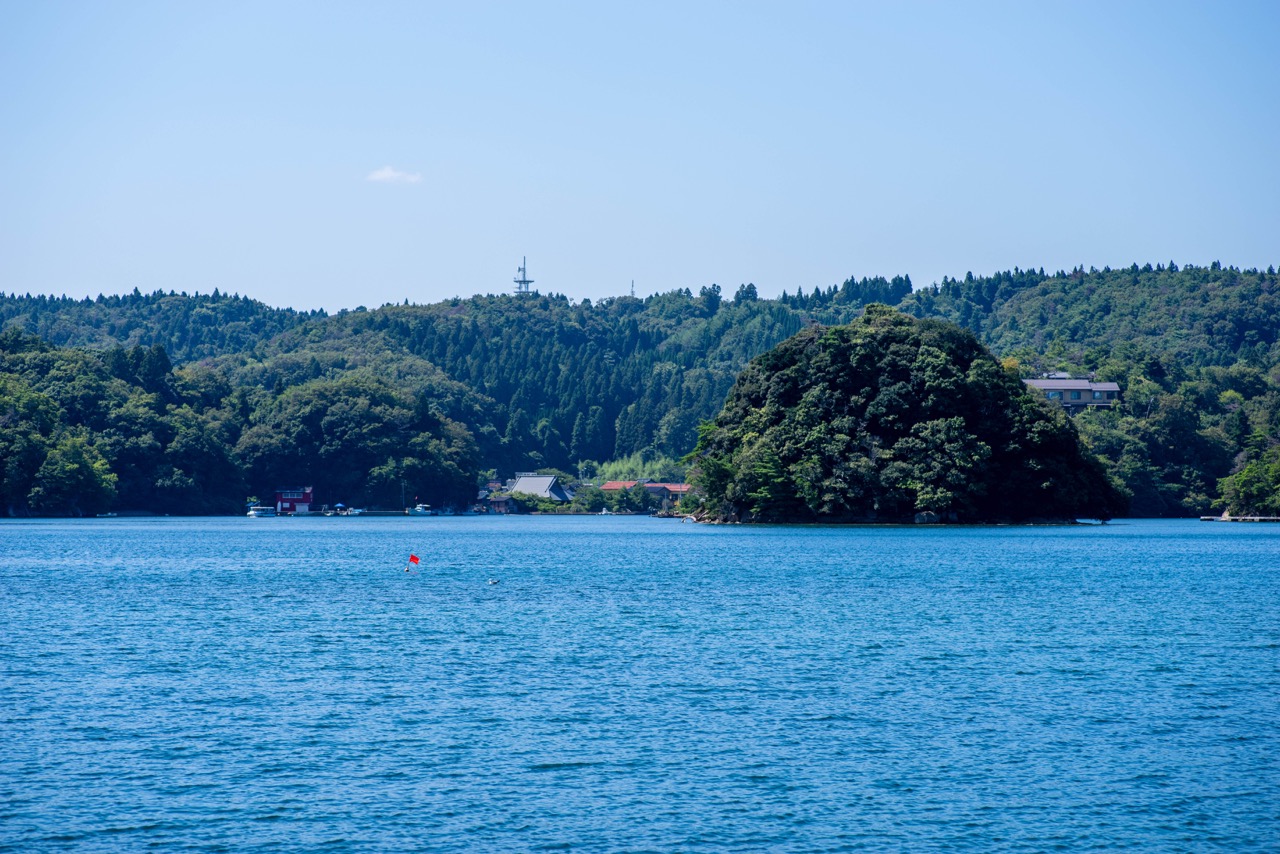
(413, 559)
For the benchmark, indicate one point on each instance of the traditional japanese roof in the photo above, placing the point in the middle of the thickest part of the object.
(541, 485)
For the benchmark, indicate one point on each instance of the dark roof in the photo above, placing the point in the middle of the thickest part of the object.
(541, 485)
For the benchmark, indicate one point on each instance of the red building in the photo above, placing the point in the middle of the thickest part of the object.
(294, 499)
(669, 494)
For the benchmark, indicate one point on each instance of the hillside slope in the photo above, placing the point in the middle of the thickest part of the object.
(1197, 316)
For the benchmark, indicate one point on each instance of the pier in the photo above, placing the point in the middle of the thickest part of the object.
(1225, 518)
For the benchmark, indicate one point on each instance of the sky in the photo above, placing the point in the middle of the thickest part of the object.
(331, 155)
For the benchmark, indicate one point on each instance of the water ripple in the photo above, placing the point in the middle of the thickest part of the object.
(636, 685)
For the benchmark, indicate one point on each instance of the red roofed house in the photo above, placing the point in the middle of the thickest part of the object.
(667, 493)
(294, 499)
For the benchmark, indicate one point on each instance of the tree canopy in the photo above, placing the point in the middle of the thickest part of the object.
(191, 399)
(893, 419)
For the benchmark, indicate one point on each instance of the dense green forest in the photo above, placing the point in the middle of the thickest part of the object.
(90, 431)
(188, 404)
(188, 327)
(1194, 316)
(891, 419)
(1194, 350)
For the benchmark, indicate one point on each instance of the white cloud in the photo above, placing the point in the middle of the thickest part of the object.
(388, 175)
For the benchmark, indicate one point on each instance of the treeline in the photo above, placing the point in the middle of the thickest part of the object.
(527, 382)
(187, 327)
(1196, 316)
(85, 432)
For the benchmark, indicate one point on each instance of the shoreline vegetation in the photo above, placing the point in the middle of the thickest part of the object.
(183, 404)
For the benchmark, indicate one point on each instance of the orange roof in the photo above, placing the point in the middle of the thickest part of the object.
(618, 484)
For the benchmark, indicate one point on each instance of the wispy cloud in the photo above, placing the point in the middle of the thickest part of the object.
(389, 175)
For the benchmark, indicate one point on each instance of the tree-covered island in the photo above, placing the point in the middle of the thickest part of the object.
(893, 419)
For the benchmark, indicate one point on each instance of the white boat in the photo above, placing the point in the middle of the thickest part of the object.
(260, 512)
(420, 510)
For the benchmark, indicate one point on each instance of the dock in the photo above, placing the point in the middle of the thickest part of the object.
(1225, 518)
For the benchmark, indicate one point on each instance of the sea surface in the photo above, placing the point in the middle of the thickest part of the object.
(636, 684)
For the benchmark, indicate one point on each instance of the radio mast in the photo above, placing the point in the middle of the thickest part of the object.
(522, 279)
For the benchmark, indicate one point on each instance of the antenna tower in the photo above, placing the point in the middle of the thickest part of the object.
(522, 279)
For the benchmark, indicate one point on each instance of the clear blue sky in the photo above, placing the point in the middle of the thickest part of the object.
(194, 145)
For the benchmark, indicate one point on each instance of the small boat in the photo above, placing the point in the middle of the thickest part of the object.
(420, 510)
(261, 512)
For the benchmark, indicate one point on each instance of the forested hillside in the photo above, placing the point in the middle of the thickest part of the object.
(187, 327)
(85, 432)
(1197, 316)
(357, 404)
(1194, 349)
(891, 419)
(431, 397)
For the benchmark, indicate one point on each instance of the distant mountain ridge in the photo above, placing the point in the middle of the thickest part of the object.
(1205, 315)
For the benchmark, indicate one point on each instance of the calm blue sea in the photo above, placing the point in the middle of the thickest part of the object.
(634, 684)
